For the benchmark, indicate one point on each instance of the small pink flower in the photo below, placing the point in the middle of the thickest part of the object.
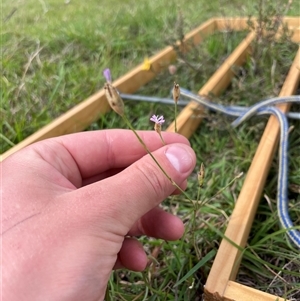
(107, 75)
(157, 119)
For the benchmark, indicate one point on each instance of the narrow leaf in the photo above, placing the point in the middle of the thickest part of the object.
(202, 262)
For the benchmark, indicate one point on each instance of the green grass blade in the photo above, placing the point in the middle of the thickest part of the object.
(202, 262)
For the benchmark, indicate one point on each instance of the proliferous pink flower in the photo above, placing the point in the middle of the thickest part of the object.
(157, 119)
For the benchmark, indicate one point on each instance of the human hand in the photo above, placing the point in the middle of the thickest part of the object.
(70, 206)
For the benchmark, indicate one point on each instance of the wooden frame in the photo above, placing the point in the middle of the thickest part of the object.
(220, 283)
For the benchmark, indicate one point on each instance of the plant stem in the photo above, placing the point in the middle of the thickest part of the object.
(162, 139)
(154, 159)
(198, 194)
(175, 117)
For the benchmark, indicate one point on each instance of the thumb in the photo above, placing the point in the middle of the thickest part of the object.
(128, 195)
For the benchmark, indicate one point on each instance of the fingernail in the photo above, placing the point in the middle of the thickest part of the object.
(180, 157)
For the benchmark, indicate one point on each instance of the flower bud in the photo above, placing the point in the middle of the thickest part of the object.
(114, 99)
(172, 69)
(107, 75)
(176, 92)
(201, 175)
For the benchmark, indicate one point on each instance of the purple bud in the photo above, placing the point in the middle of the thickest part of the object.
(107, 75)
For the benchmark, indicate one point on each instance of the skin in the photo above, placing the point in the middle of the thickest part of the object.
(72, 205)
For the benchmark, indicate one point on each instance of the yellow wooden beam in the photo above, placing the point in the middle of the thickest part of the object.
(239, 292)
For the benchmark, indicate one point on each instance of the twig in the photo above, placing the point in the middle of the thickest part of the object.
(10, 14)
(31, 58)
(277, 274)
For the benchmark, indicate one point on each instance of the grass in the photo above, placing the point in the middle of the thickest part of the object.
(53, 54)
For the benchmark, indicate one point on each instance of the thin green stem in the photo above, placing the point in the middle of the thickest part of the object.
(154, 159)
(162, 139)
(198, 194)
(175, 120)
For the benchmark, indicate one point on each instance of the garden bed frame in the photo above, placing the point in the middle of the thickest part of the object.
(221, 283)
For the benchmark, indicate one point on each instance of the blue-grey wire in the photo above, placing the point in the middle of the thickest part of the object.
(237, 110)
(282, 200)
(261, 108)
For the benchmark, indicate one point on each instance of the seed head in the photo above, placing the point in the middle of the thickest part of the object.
(201, 175)
(114, 99)
(176, 92)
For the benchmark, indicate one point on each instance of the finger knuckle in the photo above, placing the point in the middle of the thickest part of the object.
(154, 179)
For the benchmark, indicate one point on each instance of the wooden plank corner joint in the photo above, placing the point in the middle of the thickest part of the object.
(215, 296)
